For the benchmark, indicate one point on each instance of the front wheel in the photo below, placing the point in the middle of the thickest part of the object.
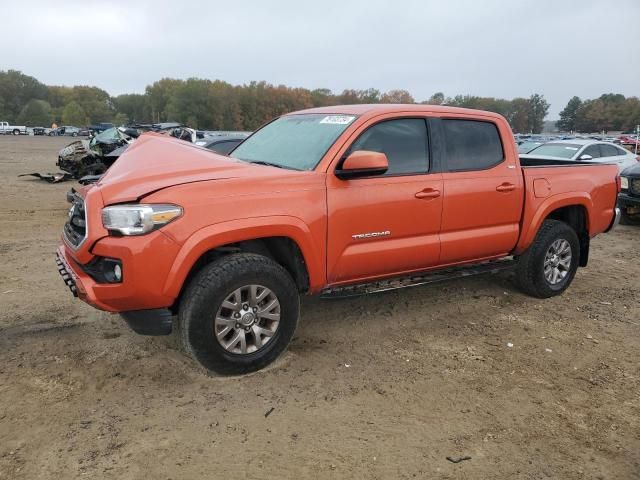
(239, 313)
(548, 267)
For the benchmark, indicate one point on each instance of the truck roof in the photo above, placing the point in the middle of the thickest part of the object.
(381, 108)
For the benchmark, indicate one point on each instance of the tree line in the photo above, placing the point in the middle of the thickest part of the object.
(608, 112)
(218, 105)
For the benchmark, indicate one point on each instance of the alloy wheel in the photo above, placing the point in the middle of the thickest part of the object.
(247, 319)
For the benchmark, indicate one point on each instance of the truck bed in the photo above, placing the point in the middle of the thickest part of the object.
(551, 184)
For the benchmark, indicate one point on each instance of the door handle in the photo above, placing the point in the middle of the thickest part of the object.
(428, 193)
(506, 187)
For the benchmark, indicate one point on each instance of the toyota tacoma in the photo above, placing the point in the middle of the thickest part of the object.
(334, 201)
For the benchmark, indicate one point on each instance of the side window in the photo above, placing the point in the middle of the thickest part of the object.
(593, 150)
(621, 151)
(471, 145)
(405, 143)
(608, 150)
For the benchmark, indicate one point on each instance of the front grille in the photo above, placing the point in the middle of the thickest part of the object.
(75, 229)
(634, 186)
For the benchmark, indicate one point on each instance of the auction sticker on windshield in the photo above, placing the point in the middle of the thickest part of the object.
(338, 119)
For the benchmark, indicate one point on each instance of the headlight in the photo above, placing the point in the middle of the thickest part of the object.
(138, 219)
(624, 183)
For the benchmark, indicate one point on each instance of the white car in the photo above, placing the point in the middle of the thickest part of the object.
(584, 151)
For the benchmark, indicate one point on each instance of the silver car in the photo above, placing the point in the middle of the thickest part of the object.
(584, 151)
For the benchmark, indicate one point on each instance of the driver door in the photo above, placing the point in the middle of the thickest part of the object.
(386, 224)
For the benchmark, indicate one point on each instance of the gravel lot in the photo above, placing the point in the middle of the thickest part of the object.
(378, 387)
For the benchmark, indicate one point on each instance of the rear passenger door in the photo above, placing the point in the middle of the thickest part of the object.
(483, 192)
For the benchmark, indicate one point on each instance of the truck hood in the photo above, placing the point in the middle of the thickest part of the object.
(632, 171)
(156, 161)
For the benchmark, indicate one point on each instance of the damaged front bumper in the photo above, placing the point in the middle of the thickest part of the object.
(144, 321)
(67, 274)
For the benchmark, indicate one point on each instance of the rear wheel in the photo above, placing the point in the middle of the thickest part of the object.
(548, 267)
(16, 132)
(239, 313)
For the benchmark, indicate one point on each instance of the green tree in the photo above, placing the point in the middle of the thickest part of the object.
(322, 97)
(120, 119)
(370, 95)
(158, 96)
(36, 113)
(538, 109)
(73, 114)
(95, 102)
(436, 99)
(132, 106)
(16, 90)
(567, 122)
(518, 115)
(397, 96)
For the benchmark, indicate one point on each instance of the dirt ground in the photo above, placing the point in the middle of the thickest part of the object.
(378, 387)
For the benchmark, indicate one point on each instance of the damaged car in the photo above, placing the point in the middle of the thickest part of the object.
(89, 157)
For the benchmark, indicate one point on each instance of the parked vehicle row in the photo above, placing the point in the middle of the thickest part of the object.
(69, 131)
(627, 140)
(585, 151)
(336, 201)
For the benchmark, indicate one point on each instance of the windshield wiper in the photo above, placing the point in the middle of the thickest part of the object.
(270, 164)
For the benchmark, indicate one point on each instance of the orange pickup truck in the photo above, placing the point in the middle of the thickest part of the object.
(335, 201)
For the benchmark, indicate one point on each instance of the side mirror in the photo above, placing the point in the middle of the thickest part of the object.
(363, 163)
(586, 157)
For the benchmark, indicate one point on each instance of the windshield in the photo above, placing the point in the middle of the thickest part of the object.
(526, 147)
(564, 150)
(108, 136)
(297, 142)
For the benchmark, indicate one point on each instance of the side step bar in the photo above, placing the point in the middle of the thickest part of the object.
(419, 279)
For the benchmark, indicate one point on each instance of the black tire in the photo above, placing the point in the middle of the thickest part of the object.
(16, 132)
(204, 296)
(530, 268)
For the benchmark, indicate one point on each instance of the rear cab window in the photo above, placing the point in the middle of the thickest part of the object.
(471, 145)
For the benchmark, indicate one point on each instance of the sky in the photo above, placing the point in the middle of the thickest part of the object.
(503, 49)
